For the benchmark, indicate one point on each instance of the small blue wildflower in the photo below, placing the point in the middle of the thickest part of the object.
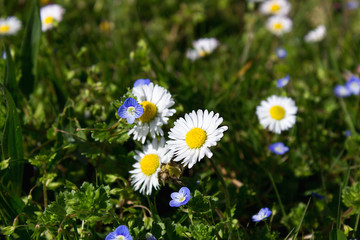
(3, 56)
(262, 214)
(354, 85)
(351, 5)
(130, 110)
(282, 82)
(316, 195)
(281, 53)
(341, 91)
(278, 148)
(140, 82)
(180, 198)
(347, 133)
(120, 233)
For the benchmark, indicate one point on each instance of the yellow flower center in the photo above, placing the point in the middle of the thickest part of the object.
(278, 26)
(149, 113)
(195, 138)
(203, 53)
(275, 8)
(149, 164)
(277, 112)
(4, 28)
(48, 20)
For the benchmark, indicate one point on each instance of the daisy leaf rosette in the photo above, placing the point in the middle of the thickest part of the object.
(192, 136)
(145, 173)
(9, 26)
(277, 113)
(50, 15)
(156, 102)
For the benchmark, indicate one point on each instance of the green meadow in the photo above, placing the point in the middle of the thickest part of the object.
(68, 155)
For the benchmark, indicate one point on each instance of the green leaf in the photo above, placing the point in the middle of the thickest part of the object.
(102, 134)
(30, 50)
(10, 77)
(12, 145)
(351, 197)
(199, 203)
(337, 234)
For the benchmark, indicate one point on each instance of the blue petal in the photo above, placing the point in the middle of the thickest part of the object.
(130, 119)
(130, 102)
(174, 203)
(122, 111)
(184, 191)
(139, 110)
(140, 82)
(111, 236)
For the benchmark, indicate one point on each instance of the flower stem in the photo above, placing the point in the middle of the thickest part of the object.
(226, 192)
(348, 117)
(357, 223)
(277, 195)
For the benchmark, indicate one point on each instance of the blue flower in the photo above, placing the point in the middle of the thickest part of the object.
(347, 133)
(351, 5)
(130, 110)
(141, 81)
(281, 53)
(262, 214)
(278, 148)
(354, 85)
(149, 236)
(120, 233)
(180, 198)
(282, 82)
(3, 56)
(341, 91)
(316, 195)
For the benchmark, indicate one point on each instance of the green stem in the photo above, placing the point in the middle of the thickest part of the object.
(357, 223)
(347, 117)
(226, 192)
(277, 195)
(82, 229)
(44, 188)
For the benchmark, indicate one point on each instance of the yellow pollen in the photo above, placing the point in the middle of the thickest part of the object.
(4, 28)
(278, 26)
(149, 164)
(149, 113)
(277, 112)
(275, 8)
(202, 53)
(49, 20)
(195, 138)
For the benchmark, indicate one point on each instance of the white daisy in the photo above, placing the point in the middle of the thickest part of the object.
(156, 102)
(202, 48)
(9, 26)
(192, 136)
(277, 113)
(275, 7)
(279, 25)
(316, 35)
(50, 15)
(148, 165)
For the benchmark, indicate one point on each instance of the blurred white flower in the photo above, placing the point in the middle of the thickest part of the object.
(9, 26)
(50, 15)
(279, 25)
(316, 35)
(202, 48)
(275, 7)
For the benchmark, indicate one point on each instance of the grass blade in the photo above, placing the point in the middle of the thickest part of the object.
(301, 221)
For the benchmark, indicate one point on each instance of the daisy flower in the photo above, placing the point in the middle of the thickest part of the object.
(281, 53)
(341, 91)
(140, 82)
(316, 35)
(9, 26)
(261, 215)
(192, 136)
(354, 85)
(156, 102)
(120, 233)
(202, 48)
(277, 113)
(282, 82)
(278, 148)
(180, 198)
(50, 15)
(130, 110)
(279, 25)
(146, 169)
(275, 7)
